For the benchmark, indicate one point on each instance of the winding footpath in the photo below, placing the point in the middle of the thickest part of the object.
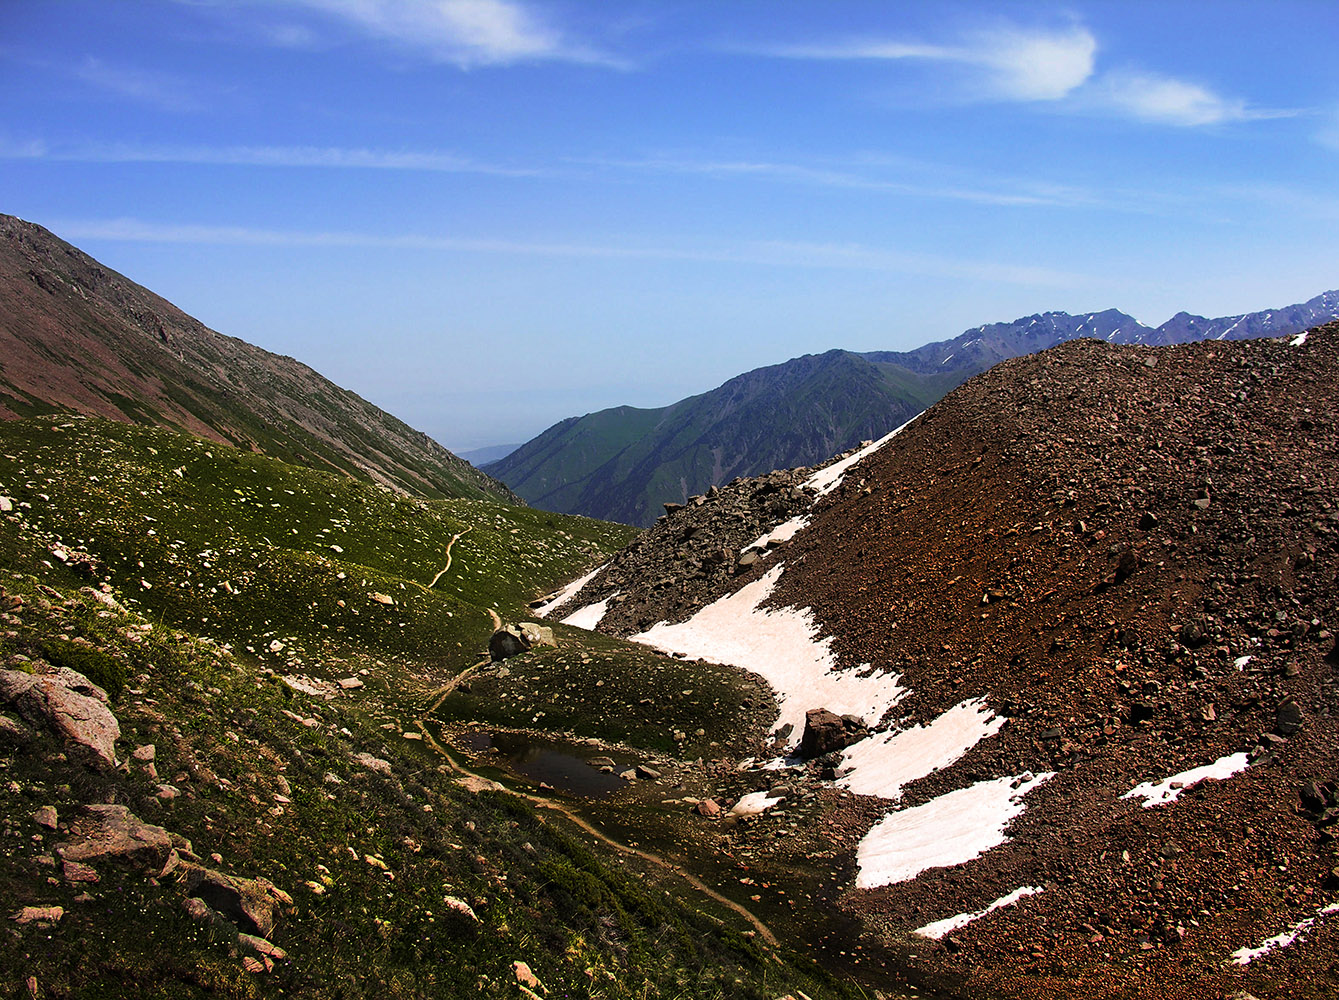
(551, 804)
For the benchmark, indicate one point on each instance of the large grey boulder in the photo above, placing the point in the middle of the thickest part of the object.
(110, 831)
(70, 704)
(249, 904)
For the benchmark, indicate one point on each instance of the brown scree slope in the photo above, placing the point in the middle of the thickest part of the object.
(1092, 539)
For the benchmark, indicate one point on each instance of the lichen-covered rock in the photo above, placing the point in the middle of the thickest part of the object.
(110, 831)
(70, 704)
(250, 904)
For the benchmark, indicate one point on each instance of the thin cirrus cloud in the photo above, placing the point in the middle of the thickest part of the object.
(1005, 194)
(1010, 63)
(1058, 67)
(466, 33)
(774, 253)
(1328, 134)
(161, 90)
(261, 156)
(1166, 100)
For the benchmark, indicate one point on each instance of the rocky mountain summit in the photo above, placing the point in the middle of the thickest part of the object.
(76, 337)
(1085, 609)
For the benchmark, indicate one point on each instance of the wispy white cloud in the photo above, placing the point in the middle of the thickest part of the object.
(289, 36)
(856, 256)
(259, 156)
(162, 90)
(1012, 63)
(464, 32)
(1300, 202)
(773, 253)
(1166, 100)
(1005, 194)
(1057, 67)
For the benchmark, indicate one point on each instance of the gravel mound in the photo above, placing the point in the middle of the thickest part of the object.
(1130, 554)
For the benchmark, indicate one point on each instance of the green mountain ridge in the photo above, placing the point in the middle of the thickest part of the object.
(626, 462)
(623, 463)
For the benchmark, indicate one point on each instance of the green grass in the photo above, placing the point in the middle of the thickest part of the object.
(228, 571)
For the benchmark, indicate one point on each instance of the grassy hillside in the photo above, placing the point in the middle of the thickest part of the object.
(623, 464)
(77, 337)
(221, 597)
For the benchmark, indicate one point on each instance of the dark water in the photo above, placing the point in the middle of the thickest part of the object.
(545, 762)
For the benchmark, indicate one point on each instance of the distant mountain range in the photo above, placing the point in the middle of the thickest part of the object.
(623, 463)
(493, 453)
(77, 337)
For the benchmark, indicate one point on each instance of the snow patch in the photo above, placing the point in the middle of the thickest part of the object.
(882, 764)
(950, 830)
(568, 592)
(1241, 661)
(591, 615)
(783, 532)
(942, 928)
(828, 478)
(1170, 789)
(1245, 956)
(1299, 340)
(754, 803)
(781, 646)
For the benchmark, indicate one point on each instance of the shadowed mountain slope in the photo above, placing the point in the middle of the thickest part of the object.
(78, 337)
(626, 462)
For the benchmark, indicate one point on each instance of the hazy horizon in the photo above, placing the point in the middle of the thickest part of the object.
(488, 215)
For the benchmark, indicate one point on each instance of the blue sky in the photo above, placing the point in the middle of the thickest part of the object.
(486, 215)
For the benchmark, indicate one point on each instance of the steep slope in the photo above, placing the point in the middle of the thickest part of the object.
(78, 337)
(626, 462)
(623, 463)
(1084, 611)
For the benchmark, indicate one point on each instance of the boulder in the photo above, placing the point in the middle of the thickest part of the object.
(825, 732)
(1288, 718)
(70, 704)
(376, 764)
(39, 915)
(506, 643)
(538, 635)
(12, 731)
(76, 871)
(263, 947)
(249, 904)
(103, 831)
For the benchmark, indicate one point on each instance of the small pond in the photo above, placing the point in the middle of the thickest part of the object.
(541, 761)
